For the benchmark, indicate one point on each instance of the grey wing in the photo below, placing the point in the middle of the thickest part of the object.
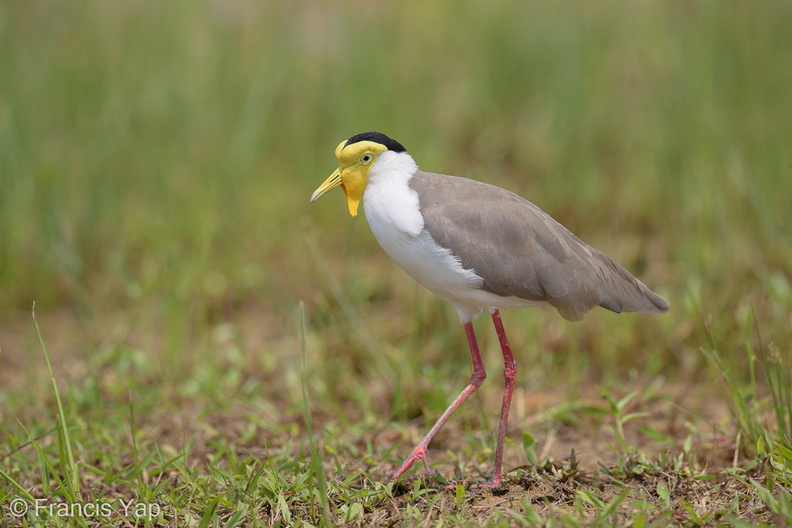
(519, 250)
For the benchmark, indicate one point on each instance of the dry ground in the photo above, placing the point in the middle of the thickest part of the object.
(678, 466)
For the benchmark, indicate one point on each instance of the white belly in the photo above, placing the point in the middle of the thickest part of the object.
(429, 264)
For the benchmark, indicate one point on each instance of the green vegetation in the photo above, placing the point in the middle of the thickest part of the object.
(211, 351)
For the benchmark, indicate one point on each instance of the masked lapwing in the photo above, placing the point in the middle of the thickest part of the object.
(480, 248)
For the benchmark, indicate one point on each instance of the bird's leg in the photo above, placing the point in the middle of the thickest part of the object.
(420, 450)
(509, 375)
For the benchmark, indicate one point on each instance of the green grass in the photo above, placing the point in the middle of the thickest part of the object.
(212, 349)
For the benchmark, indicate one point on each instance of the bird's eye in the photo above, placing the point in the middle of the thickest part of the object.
(366, 158)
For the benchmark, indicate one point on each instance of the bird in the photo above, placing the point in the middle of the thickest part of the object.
(481, 248)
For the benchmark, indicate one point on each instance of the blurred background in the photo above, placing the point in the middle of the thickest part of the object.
(156, 161)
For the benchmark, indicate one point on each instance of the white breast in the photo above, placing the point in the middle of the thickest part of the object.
(392, 211)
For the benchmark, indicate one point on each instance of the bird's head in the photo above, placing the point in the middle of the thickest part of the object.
(356, 156)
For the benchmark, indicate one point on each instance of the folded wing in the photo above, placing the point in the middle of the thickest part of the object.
(519, 250)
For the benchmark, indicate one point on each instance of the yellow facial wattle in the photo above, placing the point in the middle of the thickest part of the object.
(354, 164)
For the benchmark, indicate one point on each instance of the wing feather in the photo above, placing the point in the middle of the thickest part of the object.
(519, 250)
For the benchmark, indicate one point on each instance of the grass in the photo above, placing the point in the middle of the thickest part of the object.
(207, 350)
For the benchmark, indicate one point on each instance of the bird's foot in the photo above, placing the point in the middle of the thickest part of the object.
(494, 482)
(418, 453)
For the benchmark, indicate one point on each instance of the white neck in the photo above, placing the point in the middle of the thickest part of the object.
(391, 164)
(388, 200)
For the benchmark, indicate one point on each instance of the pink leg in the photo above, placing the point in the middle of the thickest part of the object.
(509, 375)
(420, 450)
